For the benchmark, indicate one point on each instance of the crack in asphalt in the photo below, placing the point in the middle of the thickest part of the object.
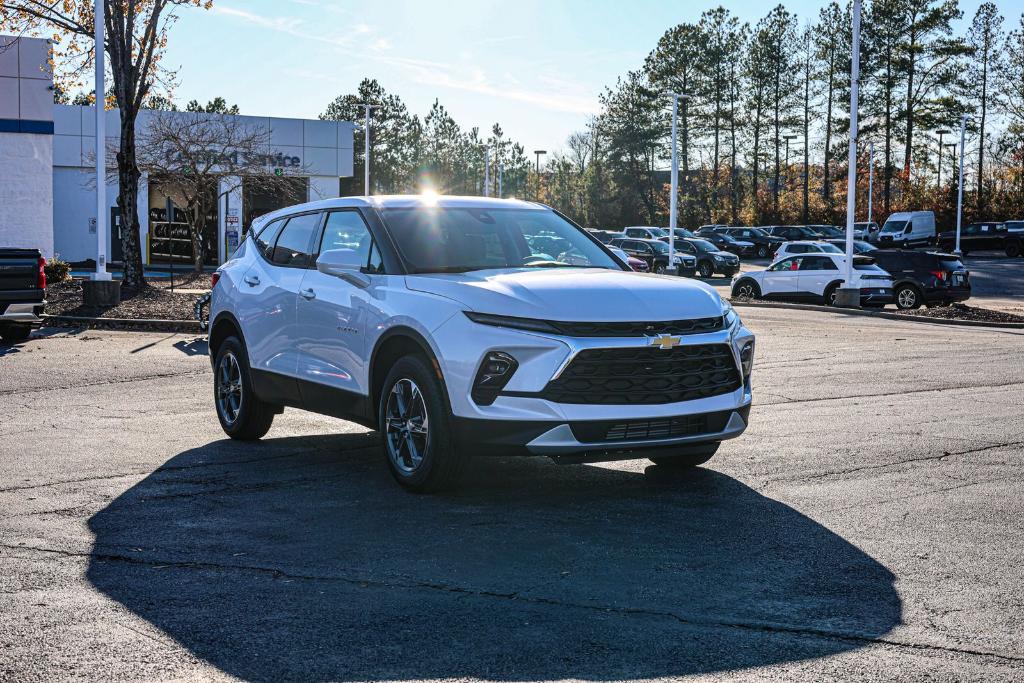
(900, 392)
(412, 584)
(99, 383)
(923, 458)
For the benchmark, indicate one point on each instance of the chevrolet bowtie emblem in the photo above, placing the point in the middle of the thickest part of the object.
(665, 341)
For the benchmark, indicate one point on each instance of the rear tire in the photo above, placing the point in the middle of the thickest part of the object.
(1013, 249)
(747, 289)
(416, 428)
(242, 414)
(687, 457)
(907, 298)
(15, 334)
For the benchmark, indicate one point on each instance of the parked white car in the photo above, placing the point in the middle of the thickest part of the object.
(815, 278)
(805, 247)
(447, 324)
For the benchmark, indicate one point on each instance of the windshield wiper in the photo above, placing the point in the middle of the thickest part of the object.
(448, 269)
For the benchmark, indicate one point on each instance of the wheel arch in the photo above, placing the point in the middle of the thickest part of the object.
(395, 343)
(223, 327)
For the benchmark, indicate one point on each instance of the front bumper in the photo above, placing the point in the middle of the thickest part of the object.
(523, 421)
(599, 440)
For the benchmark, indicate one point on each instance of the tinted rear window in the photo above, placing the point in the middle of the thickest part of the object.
(951, 264)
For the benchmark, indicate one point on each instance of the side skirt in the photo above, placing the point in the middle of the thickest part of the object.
(287, 391)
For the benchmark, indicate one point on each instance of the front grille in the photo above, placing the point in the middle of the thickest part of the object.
(639, 329)
(646, 375)
(595, 431)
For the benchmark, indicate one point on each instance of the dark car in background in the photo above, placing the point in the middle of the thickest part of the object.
(22, 293)
(828, 231)
(791, 233)
(924, 278)
(764, 244)
(604, 236)
(727, 242)
(655, 254)
(983, 236)
(710, 259)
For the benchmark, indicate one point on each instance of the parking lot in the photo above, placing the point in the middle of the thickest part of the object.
(867, 524)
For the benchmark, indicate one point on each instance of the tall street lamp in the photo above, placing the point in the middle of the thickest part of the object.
(960, 188)
(673, 213)
(847, 295)
(871, 185)
(938, 171)
(787, 138)
(366, 145)
(539, 153)
(101, 150)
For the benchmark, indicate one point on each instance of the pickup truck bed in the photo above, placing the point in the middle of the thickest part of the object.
(22, 292)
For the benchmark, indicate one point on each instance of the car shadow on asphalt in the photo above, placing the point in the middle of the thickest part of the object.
(300, 558)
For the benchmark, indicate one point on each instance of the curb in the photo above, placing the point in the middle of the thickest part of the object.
(881, 314)
(141, 324)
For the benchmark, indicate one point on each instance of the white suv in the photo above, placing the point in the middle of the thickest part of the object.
(462, 326)
(805, 247)
(815, 277)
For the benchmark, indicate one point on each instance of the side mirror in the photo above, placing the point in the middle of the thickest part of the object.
(344, 264)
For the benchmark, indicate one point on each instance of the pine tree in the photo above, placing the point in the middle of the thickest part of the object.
(985, 40)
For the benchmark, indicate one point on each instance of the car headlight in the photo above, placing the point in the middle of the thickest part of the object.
(528, 324)
(717, 257)
(730, 314)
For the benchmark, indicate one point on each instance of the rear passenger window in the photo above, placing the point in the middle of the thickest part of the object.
(293, 246)
(267, 236)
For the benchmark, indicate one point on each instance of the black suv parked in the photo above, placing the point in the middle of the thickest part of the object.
(927, 278)
(764, 244)
(710, 259)
(792, 233)
(653, 252)
(983, 236)
(726, 242)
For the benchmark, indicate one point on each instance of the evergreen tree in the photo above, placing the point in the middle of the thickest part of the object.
(985, 40)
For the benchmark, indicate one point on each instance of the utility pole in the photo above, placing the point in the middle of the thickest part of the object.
(871, 184)
(847, 295)
(539, 152)
(938, 170)
(366, 145)
(487, 171)
(673, 214)
(960, 189)
(102, 215)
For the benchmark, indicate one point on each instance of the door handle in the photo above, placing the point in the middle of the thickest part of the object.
(307, 294)
(251, 280)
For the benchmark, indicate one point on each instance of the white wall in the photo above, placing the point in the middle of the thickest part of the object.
(76, 190)
(26, 191)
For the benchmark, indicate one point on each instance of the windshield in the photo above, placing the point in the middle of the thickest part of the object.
(894, 226)
(758, 232)
(660, 247)
(451, 240)
(703, 245)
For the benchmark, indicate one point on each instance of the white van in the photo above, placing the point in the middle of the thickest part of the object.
(907, 229)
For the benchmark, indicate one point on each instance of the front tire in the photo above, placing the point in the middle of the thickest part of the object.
(687, 457)
(242, 414)
(705, 270)
(658, 269)
(416, 428)
(830, 295)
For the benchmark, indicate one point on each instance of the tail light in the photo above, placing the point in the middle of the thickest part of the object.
(41, 277)
(214, 279)
(940, 275)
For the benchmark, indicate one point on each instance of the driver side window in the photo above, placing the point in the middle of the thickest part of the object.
(347, 231)
(786, 265)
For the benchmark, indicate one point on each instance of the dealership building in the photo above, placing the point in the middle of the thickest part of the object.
(48, 178)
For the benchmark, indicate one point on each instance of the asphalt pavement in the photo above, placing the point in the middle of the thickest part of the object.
(867, 526)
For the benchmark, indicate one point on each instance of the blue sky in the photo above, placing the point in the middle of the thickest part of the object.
(536, 67)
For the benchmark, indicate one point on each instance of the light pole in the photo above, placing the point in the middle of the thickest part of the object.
(101, 150)
(487, 171)
(539, 152)
(673, 213)
(938, 170)
(960, 189)
(787, 138)
(366, 145)
(871, 185)
(847, 295)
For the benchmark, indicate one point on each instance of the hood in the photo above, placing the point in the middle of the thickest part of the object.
(574, 294)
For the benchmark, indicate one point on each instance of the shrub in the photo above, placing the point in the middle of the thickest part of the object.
(57, 270)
